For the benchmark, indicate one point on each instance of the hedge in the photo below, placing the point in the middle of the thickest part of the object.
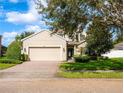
(10, 61)
(81, 59)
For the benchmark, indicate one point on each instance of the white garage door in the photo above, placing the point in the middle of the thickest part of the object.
(45, 54)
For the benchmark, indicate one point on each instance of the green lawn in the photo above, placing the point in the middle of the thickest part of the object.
(109, 64)
(74, 69)
(90, 74)
(4, 66)
(7, 63)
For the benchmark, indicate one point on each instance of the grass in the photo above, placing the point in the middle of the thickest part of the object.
(7, 63)
(5, 66)
(74, 69)
(108, 64)
(116, 75)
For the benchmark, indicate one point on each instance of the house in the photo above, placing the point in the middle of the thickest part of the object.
(44, 46)
(117, 51)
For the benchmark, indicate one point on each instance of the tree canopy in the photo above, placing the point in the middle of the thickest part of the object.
(14, 50)
(72, 16)
(99, 39)
(23, 35)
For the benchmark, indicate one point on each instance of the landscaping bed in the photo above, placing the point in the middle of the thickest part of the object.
(10, 61)
(108, 64)
(100, 68)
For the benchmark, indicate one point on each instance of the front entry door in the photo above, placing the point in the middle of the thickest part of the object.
(70, 53)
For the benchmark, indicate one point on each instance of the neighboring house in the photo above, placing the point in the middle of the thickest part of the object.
(44, 46)
(117, 51)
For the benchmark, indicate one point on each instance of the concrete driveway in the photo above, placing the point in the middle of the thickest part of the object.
(30, 70)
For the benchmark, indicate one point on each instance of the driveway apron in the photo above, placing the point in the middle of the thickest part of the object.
(30, 70)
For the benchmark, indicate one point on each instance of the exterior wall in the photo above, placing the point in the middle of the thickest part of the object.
(79, 48)
(44, 39)
(82, 45)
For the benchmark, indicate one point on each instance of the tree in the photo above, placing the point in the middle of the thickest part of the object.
(23, 35)
(99, 39)
(14, 50)
(110, 10)
(65, 15)
(71, 16)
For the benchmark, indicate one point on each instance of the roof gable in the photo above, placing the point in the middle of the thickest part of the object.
(42, 32)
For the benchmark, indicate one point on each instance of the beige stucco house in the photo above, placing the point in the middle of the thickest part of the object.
(44, 46)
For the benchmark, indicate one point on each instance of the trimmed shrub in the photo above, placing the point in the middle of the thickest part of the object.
(102, 58)
(24, 57)
(81, 58)
(10, 61)
(109, 64)
(14, 50)
(93, 57)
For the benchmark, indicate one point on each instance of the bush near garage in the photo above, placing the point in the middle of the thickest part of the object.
(82, 59)
(24, 57)
(14, 50)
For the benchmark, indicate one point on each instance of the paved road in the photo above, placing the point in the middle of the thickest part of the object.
(61, 86)
(32, 69)
(39, 77)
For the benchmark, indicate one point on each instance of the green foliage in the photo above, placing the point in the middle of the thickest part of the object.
(5, 66)
(102, 58)
(14, 50)
(10, 61)
(81, 59)
(86, 58)
(108, 64)
(66, 15)
(91, 74)
(23, 35)
(99, 39)
(71, 16)
(24, 57)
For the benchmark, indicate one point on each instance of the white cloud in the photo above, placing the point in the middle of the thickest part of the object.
(8, 37)
(9, 34)
(13, 1)
(34, 28)
(16, 17)
(29, 17)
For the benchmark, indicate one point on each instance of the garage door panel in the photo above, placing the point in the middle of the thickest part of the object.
(45, 54)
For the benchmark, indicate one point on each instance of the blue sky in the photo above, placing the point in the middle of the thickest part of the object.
(17, 16)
